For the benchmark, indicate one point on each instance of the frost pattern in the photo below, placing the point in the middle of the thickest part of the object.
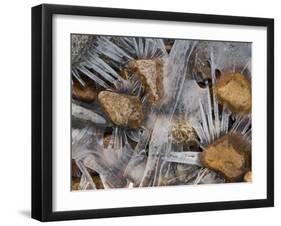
(154, 160)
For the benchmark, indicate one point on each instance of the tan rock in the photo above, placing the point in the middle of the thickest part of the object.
(151, 75)
(125, 74)
(229, 155)
(123, 110)
(248, 176)
(86, 93)
(183, 133)
(234, 90)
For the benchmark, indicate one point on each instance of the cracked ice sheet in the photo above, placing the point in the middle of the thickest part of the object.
(186, 157)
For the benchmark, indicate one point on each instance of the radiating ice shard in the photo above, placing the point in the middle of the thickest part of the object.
(188, 157)
(141, 48)
(102, 59)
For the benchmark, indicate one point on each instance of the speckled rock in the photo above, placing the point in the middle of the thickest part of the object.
(79, 45)
(123, 110)
(234, 90)
(183, 133)
(229, 155)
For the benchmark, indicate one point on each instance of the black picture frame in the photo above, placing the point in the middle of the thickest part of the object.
(42, 111)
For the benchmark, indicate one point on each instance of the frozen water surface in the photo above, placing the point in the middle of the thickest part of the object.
(148, 156)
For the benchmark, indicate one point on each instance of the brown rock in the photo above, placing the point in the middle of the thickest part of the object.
(234, 90)
(86, 93)
(75, 171)
(123, 110)
(97, 181)
(248, 176)
(229, 155)
(151, 75)
(75, 184)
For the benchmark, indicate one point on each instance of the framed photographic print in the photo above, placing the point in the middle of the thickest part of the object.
(147, 112)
